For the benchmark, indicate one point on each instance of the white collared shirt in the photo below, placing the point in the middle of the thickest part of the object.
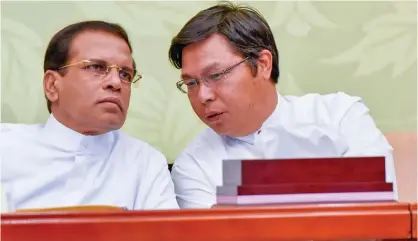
(310, 126)
(50, 165)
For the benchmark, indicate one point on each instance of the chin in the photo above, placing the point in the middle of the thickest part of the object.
(114, 123)
(219, 129)
(224, 131)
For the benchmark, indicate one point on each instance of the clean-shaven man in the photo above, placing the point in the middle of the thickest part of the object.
(229, 70)
(79, 156)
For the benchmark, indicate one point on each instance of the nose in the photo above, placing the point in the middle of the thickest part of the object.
(112, 80)
(205, 94)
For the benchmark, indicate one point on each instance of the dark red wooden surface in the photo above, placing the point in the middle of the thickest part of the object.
(318, 170)
(306, 188)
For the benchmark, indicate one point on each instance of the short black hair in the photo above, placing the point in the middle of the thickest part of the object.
(244, 27)
(57, 52)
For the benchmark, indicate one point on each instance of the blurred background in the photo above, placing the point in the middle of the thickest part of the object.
(368, 49)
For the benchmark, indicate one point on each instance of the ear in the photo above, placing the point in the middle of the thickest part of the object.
(52, 81)
(265, 64)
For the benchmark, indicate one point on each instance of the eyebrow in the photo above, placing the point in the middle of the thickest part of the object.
(125, 68)
(205, 70)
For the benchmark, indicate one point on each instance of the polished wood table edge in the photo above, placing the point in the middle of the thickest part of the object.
(285, 222)
(224, 210)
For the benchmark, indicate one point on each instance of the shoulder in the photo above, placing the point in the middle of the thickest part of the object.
(207, 139)
(11, 128)
(330, 101)
(11, 133)
(328, 107)
(201, 153)
(16, 140)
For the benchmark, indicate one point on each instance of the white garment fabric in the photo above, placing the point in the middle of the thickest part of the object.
(45, 166)
(5, 207)
(313, 125)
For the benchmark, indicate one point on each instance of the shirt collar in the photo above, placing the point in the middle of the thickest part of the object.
(271, 121)
(61, 136)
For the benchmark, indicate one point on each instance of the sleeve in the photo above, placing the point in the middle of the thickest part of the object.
(156, 189)
(365, 139)
(192, 186)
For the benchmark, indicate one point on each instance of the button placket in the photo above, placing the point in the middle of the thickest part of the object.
(76, 181)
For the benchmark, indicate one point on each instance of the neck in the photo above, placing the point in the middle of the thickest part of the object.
(261, 111)
(266, 107)
(71, 124)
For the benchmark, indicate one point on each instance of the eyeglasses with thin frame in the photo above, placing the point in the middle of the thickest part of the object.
(189, 85)
(101, 69)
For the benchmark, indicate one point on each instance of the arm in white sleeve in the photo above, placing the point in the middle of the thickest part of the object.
(365, 139)
(156, 189)
(192, 187)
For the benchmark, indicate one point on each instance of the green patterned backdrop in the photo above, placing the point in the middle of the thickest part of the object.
(362, 48)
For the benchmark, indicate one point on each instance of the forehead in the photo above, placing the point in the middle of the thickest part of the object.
(212, 51)
(100, 45)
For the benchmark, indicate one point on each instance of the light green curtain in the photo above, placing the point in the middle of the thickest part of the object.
(362, 48)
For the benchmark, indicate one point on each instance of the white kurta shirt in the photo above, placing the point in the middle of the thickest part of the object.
(53, 166)
(310, 126)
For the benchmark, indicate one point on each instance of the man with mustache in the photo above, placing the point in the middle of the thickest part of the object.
(80, 157)
(229, 70)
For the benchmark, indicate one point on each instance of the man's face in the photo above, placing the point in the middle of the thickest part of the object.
(98, 103)
(226, 106)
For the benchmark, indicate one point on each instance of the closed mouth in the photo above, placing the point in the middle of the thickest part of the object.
(214, 116)
(113, 101)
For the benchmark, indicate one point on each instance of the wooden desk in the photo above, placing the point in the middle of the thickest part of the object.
(269, 223)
